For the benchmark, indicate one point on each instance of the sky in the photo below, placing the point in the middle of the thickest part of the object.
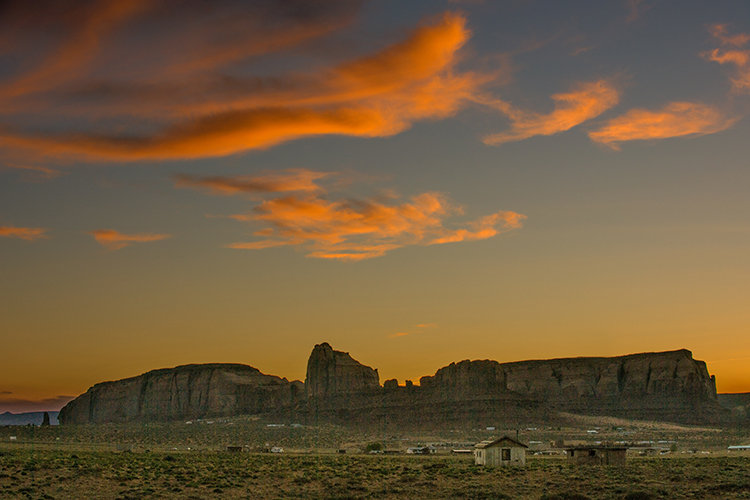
(415, 183)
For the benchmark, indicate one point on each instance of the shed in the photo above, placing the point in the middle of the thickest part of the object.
(503, 451)
(597, 454)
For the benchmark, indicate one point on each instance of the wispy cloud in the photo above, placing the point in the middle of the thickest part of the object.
(676, 119)
(721, 33)
(23, 233)
(296, 210)
(420, 328)
(735, 56)
(272, 182)
(358, 229)
(584, 102)
(636, 8)
(398, 334)
(36, 172)
(85, 25)
(115, 240)
(373, 96)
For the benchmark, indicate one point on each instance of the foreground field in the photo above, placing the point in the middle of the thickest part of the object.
(45, 473)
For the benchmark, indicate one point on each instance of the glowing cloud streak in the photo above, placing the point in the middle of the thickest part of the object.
(23, 233)
(584, 102)
(358, 229)
(676, 119)
(115, 240)
(374, 96)
(288, 181)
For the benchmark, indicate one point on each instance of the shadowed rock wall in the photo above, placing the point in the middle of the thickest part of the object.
(190, 391)
(669, 386)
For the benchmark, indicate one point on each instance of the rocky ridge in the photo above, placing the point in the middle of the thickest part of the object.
(669, 386)
(189, 391)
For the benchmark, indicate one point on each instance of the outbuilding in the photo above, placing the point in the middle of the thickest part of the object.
(504, 451)
(597, 454)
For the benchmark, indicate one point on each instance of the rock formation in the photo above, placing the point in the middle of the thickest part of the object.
(190, 391)
(664, 385)
(335, 373)
(668, 386)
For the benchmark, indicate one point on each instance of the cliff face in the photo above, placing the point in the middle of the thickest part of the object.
(663, 386)
(669, 386)
(188, 391)
(671, 376)
(335, 373)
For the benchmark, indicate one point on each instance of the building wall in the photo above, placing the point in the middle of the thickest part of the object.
(493, 456)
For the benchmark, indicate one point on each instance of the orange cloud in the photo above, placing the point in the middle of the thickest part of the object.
(486, 227)
(676, 119)
(24, 233)
(721, 32)
(398, 334)
(374, 96)
(586, 101)
(361, 229)
(421, 327)
(96, 20)
(737, 57)
(291, 180)
(114, 240)
(426, 325)
(152, 41)
(37, 171)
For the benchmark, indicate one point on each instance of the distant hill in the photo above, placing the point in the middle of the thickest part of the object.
(664, 386)
(738, 403)
(32, 417)
(733, 399)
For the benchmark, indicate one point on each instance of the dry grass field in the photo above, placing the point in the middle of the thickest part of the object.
(189, 460)
(49, 473)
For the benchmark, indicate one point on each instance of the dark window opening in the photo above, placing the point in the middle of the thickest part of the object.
(506, 453)
(592, 453)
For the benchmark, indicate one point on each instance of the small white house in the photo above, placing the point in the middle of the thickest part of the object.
(504, 451)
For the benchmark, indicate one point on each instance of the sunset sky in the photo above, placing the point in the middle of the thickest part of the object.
(415, 183)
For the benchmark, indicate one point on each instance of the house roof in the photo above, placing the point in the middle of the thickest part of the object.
(497, 442)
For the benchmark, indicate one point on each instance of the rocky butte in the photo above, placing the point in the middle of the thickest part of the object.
(669, 386)
(188, 391)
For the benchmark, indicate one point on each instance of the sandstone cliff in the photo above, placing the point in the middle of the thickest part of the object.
(190, 391)
(668, 376)
(669, 386)
(665, 386)
(335, 373)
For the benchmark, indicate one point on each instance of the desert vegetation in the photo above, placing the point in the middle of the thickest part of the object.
(27, 473)
(190, 459)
